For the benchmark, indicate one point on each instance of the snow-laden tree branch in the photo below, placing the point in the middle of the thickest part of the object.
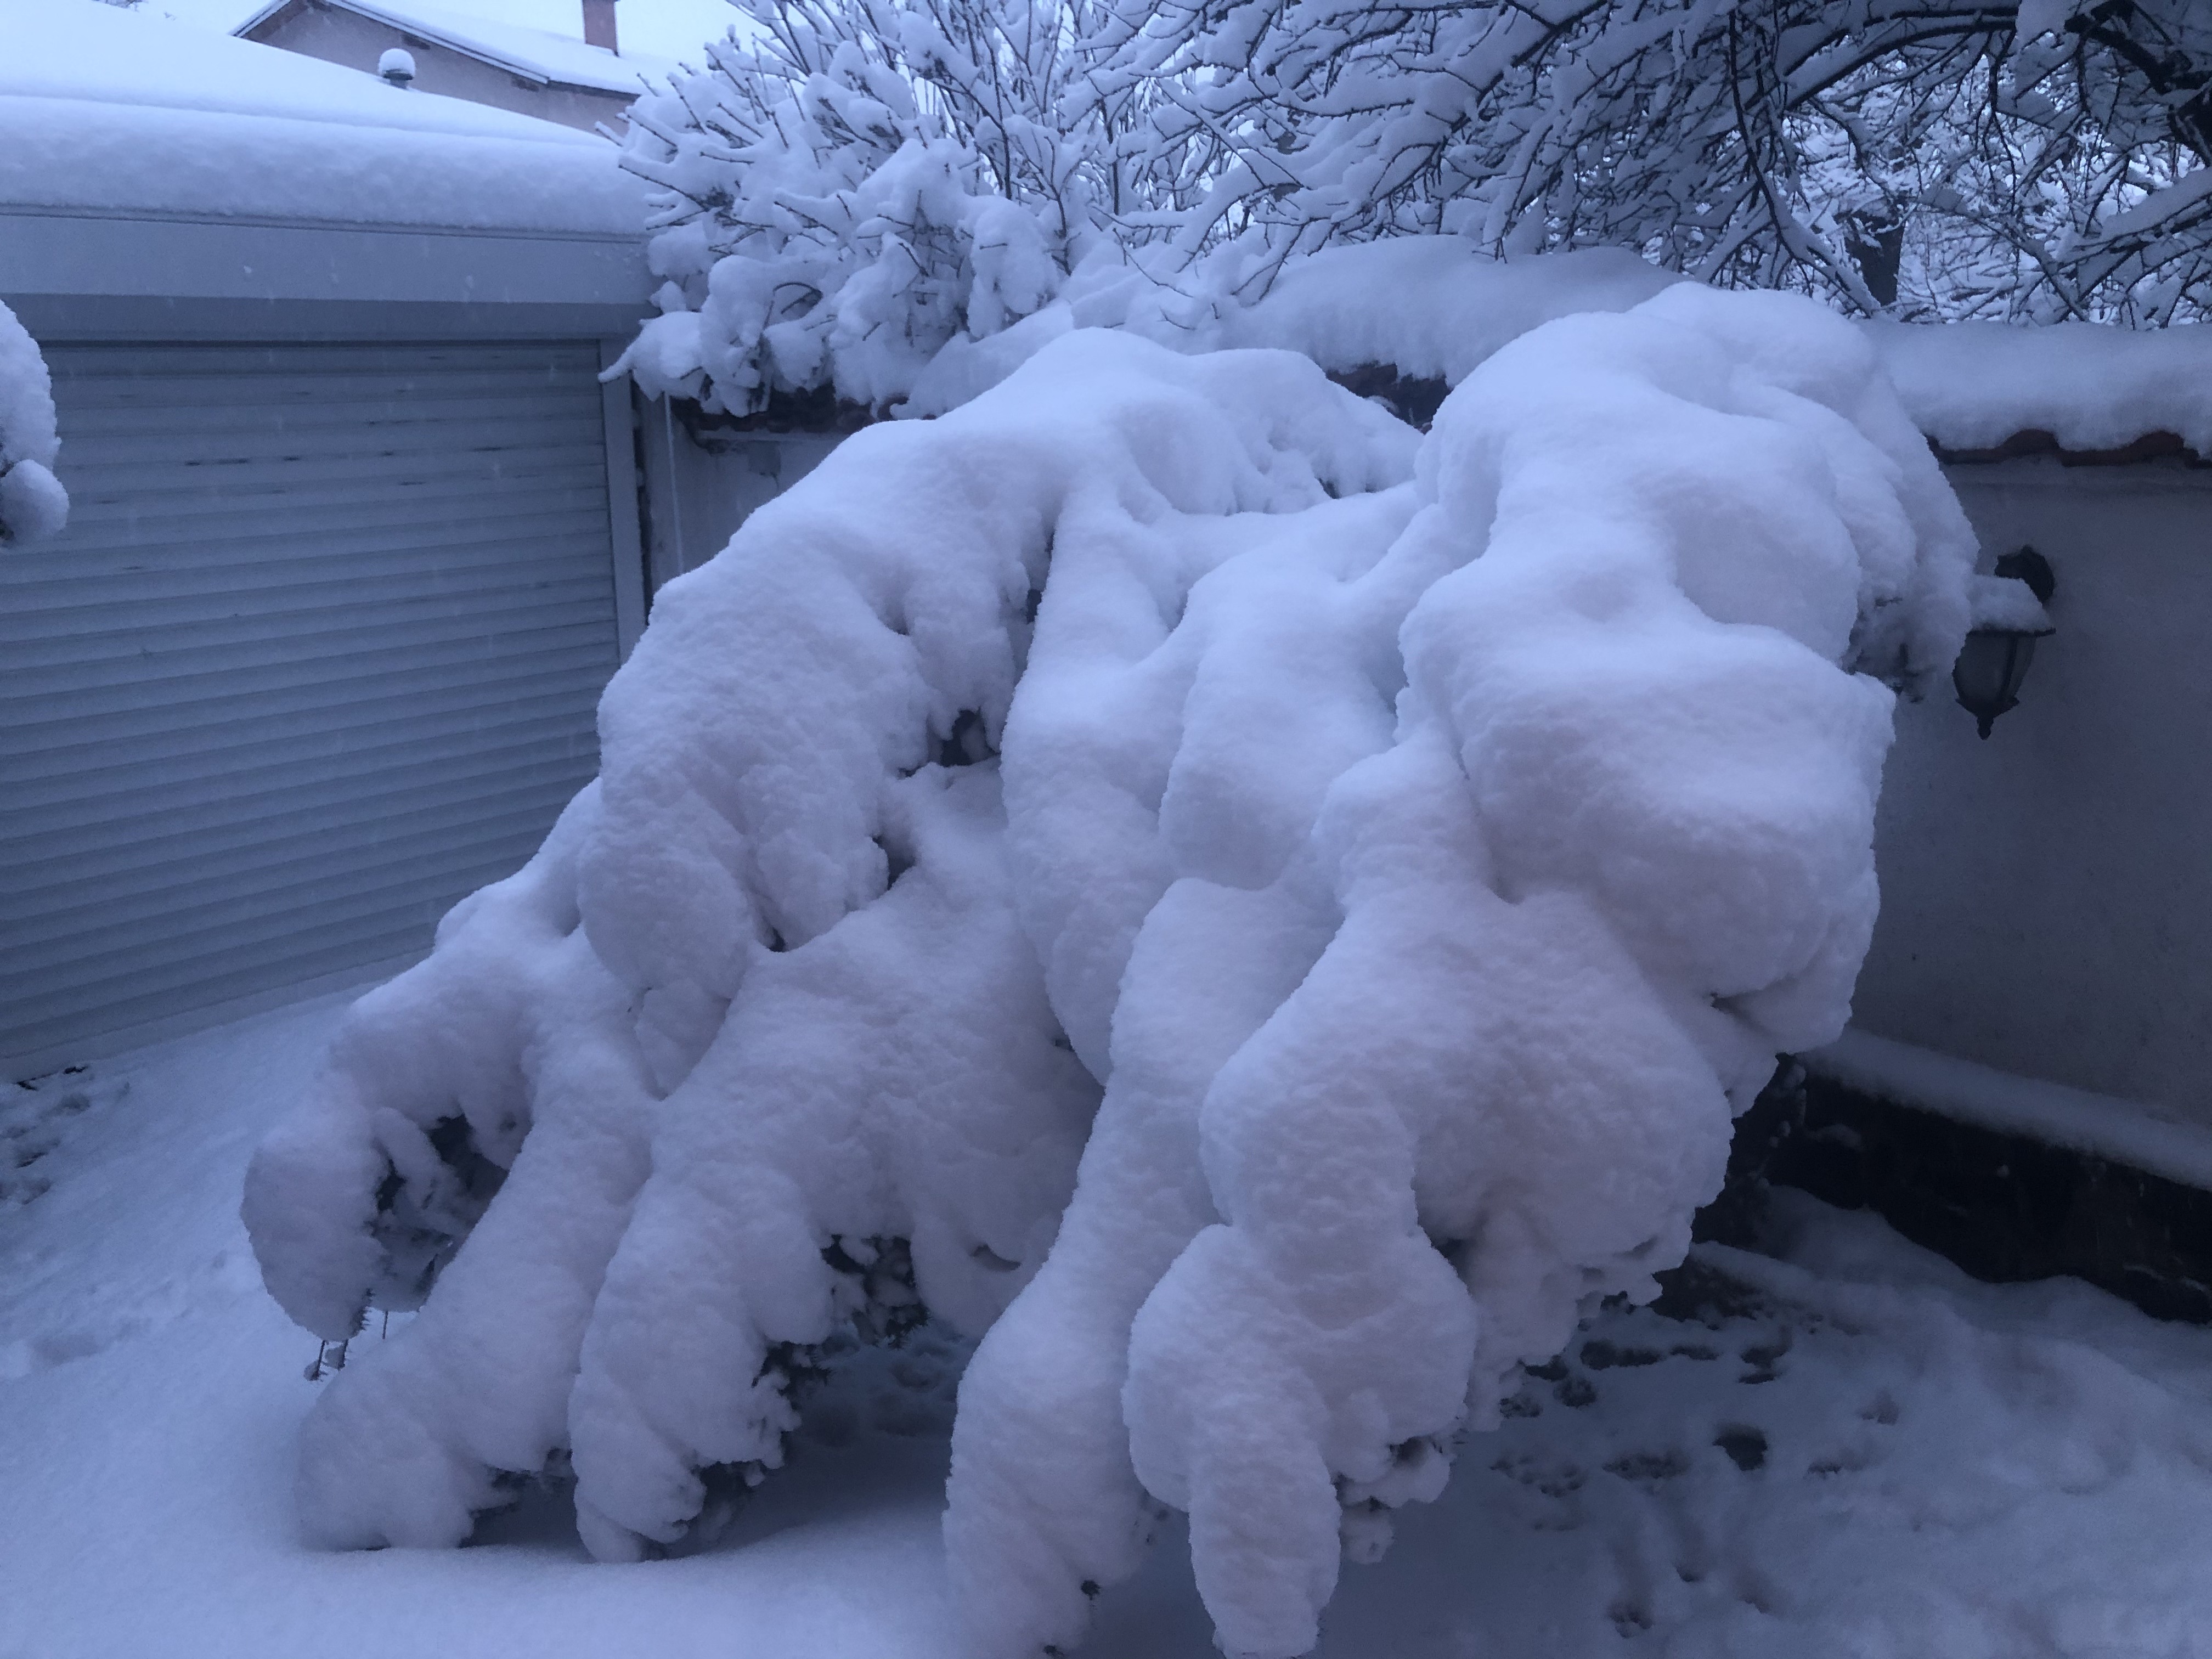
(877, 182)
(33, 504)
(1939, 157)
(1263, 913)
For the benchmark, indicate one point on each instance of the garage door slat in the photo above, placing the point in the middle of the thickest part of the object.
(394, 905)
(115, 527)
(112, 804)
(191, 760)
(102, 902)
(310, 633)
(121, 817)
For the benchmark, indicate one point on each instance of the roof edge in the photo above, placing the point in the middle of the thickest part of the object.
(415, 27)
(261, 17)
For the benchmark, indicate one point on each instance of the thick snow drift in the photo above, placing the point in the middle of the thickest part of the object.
(33, 504)
(1381, 860)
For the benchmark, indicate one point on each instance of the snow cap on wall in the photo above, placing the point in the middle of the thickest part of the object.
(1978, 385)
(1432, 307)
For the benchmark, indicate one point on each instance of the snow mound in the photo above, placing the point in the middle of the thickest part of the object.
(1383, 861)
(1973, 385)
(33, 504)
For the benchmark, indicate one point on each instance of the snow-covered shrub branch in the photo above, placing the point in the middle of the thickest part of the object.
(33, 504)
(1382, 861)
(861, 183)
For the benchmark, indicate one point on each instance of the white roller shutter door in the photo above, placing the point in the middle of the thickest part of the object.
(317, 655)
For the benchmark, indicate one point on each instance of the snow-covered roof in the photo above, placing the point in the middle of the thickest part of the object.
(538, 55)
(116, 113)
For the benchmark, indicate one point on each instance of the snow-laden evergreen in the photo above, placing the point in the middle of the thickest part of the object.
(33, 504)
(1381, 860)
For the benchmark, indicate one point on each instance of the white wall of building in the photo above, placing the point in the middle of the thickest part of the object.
(697, 496)
(2047, 893)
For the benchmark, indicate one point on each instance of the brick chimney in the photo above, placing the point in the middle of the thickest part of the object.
(599, 23)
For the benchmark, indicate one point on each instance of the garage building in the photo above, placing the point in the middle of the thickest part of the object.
(357, 530)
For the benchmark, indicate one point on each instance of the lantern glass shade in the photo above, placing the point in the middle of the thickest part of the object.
(1988, 674)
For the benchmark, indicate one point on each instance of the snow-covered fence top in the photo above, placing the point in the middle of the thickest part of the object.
(1261, 912)
(1431, 308)
(1434, 308)
(32, 504)
(1976, 386)
(113, 112)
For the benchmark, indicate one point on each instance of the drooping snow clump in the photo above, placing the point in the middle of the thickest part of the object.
(33, 504)
(1383, 860)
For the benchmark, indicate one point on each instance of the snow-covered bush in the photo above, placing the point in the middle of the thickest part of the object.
(1382, 861)
(33, 504)
(858, 184)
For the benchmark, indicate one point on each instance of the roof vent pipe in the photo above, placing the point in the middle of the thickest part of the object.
(397, 68)
(599, 24)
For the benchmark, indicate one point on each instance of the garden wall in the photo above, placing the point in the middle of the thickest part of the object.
(2047, 893)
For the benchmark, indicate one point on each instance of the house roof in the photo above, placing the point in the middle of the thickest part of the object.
(243, 131)
(535, 55)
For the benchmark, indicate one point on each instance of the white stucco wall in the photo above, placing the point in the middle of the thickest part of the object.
(697, 497)
(2047, 893)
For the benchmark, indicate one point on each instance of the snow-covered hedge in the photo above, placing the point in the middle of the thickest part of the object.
(1263, 914)
(33, 504)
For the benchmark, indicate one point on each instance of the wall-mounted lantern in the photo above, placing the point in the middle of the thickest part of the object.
(2008, 618)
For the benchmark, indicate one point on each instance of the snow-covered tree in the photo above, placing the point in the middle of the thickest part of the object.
(1258, 914)
(865, 187)
(2033, 158)
(33, 504)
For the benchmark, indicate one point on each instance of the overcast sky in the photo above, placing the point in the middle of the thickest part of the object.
(664, 29)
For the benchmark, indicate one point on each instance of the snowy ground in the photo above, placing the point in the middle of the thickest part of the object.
(1863, 1453)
